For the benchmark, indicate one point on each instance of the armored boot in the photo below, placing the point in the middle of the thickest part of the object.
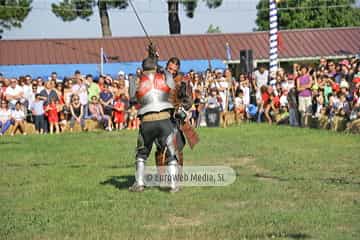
(173, 173)
(139, 183)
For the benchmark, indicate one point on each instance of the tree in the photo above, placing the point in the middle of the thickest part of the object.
(190, 6)
(13, 13)
(310, 14)
(69, 10)
(213, 29)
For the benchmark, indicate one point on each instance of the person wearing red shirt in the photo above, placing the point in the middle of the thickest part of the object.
(119, 113)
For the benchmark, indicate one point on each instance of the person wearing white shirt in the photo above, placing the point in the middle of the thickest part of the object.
(283, 98)
(80, 89)
(222, 87)
(14, 93)
(18, 117)
(32, 96)
(40, 84)
(27, 88)
(244, 86)
(261, 79)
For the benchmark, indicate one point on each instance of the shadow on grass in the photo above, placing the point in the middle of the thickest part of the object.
(77, 166)
(120, 166)
(288, 235)
(336, 181)
(41, 164)
(10, 142)
(119, 182)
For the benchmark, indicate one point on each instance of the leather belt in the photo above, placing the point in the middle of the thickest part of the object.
(155, 116)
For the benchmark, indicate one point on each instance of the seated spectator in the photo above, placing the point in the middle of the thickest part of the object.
(213, 100)
(355, 113)
(37, 108)
(67, 98)
(283, 116)
(97, 113)
(80, 89)
(14, 93)
(18, 116)
(5, 117)
(77, 112)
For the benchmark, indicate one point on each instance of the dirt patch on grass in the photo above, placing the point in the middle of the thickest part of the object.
(237, 204)
(280, 205)
(349, 194)
(182, 221)
(176, 221)
(239, 162)
(247, 162)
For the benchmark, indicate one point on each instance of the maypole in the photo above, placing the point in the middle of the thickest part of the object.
(273, 38)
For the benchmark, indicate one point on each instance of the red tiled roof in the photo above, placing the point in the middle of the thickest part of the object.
(296, 44)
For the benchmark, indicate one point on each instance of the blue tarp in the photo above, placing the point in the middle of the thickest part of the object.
(112, 69)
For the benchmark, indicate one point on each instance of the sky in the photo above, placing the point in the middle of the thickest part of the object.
(232, 16)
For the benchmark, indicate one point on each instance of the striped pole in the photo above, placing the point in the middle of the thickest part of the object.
(273, 38)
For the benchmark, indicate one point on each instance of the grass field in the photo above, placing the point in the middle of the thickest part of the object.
(291, 184)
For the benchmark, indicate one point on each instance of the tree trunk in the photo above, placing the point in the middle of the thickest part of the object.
(174, 20)
(104, 19)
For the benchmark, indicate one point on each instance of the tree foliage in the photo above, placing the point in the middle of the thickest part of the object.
(69, 10)
(13, 13)
(191, 5)
(310, 14)
(213, 29)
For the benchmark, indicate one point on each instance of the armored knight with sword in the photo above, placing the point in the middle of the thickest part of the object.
(159, 120)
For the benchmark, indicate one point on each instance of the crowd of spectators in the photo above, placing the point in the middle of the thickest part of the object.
(327, 92)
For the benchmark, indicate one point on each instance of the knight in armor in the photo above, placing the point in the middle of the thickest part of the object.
(152, 93)
(181, 100)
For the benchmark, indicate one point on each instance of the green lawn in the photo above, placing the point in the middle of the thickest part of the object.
(291, 183)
